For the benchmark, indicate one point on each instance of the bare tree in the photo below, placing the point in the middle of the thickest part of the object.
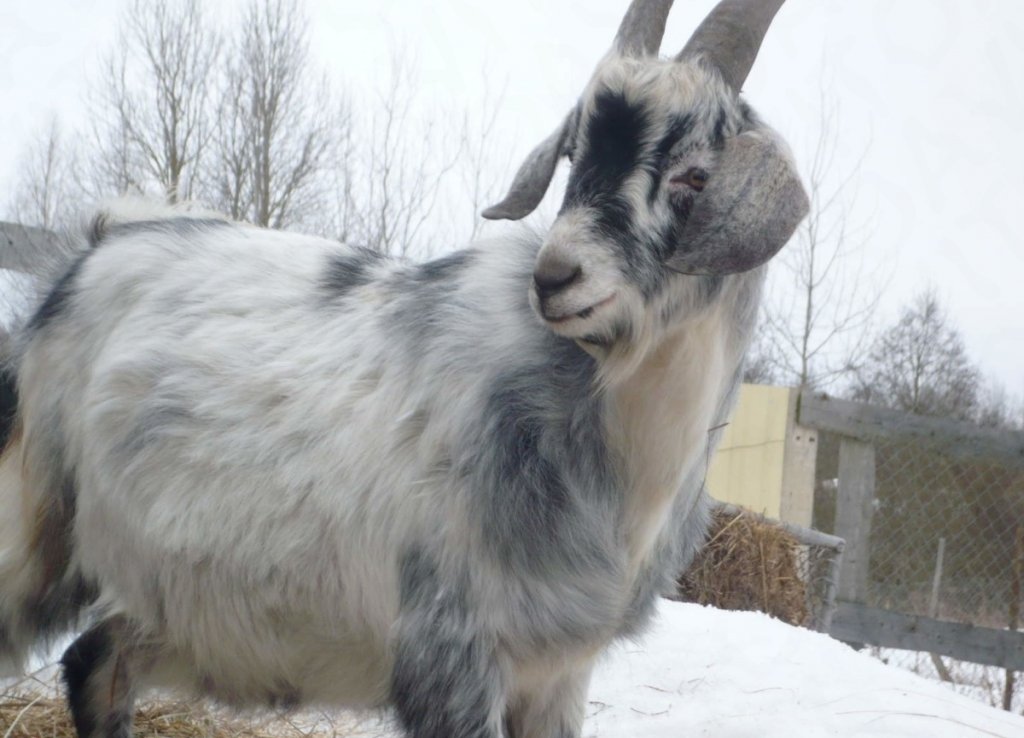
(255, 130)
(46, 193)
(482, 156)
(404, 176)
(151, 111)
(920, 365)
(761, 365)
(406, 181)
(997, 409)
(815, 324)
(229, 178)
(343, 216)
(278, 125)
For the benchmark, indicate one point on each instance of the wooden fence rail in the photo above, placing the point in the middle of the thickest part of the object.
(870, 423)
(27, 249)
(857, 623)
(860, 426)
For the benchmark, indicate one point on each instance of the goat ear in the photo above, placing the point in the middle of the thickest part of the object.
(751, 205)
(534, 176)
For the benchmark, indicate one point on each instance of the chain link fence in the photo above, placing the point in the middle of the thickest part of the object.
(819, 562)
(946, 541)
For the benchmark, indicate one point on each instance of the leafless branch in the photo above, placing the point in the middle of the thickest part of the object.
(276, 135)
(150, 111)
(46, 192)
(816, 324)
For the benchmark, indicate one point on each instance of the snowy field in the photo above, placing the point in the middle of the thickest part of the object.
(979, 682)
(707, 672)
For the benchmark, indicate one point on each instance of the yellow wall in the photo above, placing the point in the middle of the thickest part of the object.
(748, 467)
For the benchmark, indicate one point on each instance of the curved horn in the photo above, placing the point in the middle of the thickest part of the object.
(731, 36)
(642, 28)
(532, 180)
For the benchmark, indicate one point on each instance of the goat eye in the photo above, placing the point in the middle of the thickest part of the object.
(694, 177)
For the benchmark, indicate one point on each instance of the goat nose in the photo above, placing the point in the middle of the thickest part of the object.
(553, 274)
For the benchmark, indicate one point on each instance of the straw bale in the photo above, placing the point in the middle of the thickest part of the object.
(748, 564)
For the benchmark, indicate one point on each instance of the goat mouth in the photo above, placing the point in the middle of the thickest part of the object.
(580, 314)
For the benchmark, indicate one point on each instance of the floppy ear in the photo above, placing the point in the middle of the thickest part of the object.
(534, 176)
(752, 203)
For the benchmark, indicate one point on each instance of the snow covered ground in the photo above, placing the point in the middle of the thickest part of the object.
(981, 683)
(707, 672)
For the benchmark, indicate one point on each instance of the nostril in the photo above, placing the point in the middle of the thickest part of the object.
(551, 278)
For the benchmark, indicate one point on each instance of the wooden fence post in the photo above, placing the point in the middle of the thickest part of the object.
(854, 506)
(1016, 591)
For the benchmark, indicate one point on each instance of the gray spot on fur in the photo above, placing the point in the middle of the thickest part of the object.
(425, 297)
(541, 463)
(444, 679)
(57, 300)
(348, 270)
(8, 404)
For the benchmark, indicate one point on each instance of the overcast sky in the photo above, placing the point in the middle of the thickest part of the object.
(929, 93)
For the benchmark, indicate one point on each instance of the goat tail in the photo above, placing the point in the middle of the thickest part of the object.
(41, 592)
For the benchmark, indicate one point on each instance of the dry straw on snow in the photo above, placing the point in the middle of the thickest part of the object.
(36, 709)
(28, 715)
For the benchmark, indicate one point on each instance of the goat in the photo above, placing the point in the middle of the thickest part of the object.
(277, 470)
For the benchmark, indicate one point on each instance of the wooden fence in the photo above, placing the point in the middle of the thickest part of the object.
(860, 428)
(28, 249)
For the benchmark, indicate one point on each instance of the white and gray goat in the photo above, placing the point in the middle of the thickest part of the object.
(278, 470)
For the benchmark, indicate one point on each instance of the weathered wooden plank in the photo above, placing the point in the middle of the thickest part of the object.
(952, 437)
(27, 249)
(1016, 585)
(799, 461)
(857, 623)
(854, 508)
